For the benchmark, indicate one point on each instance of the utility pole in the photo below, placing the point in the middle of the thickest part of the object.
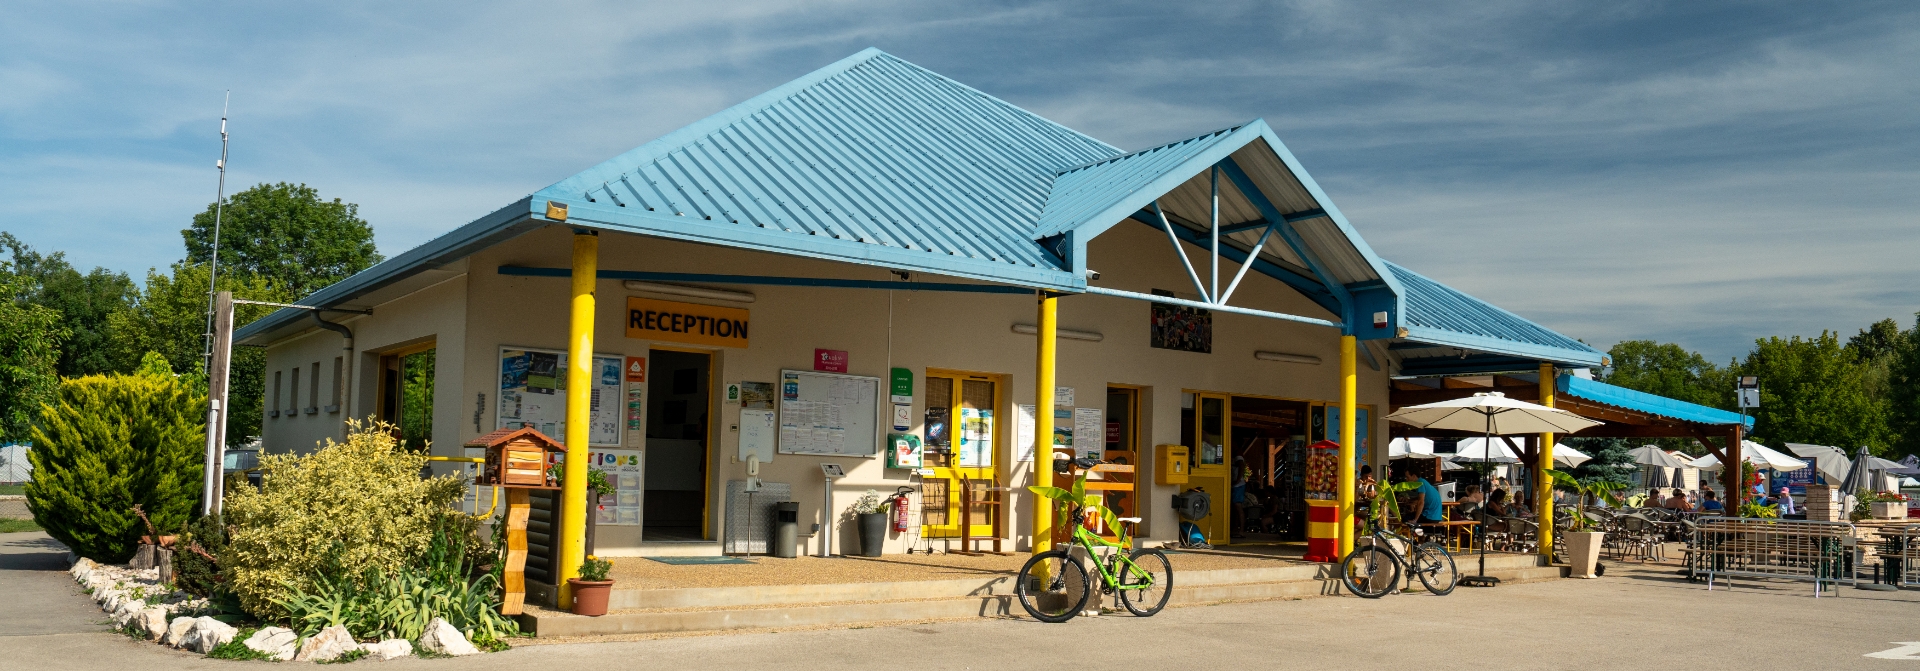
(213, 491)
(213, 267)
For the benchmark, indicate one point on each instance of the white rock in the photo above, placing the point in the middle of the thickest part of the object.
(331, 642)
(153, 621)
(442, 638)
(276, 641)
(81, 568)
(207, 634)
(177, 631)
(128, 610)
(392, 648)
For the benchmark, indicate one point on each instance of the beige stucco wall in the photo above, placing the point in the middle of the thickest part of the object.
(879, 330)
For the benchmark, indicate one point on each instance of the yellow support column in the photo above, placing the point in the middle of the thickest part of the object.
(1349, 387)
(573, 489)
(1043, 423)
(1542, 486)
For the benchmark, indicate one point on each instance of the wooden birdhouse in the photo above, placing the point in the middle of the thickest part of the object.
(518, 458)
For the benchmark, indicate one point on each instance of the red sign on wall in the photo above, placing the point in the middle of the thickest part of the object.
(636, 369)
(830, 360)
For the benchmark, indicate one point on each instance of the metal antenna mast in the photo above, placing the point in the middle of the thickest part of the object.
(213, 269)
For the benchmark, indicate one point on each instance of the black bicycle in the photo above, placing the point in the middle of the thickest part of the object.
(1374, 570)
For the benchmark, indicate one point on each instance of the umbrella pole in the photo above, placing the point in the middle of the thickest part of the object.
(1483, 580)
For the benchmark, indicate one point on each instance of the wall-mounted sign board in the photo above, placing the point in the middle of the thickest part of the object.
(692, 323)
(829, 413)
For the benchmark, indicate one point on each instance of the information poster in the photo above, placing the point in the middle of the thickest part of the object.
(822, 413)
(1088, 430)
(623, 470)
(533, 393)
(976, 438)
(1023, 432)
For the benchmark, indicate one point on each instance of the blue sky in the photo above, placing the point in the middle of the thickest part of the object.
(1700, 172)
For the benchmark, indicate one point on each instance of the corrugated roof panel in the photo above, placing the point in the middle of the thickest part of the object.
(1445, 310)
(871, 151)
(1082, 191)
(1622, 397)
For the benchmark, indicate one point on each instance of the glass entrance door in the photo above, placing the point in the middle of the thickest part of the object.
(961, 446)
(1208, 440)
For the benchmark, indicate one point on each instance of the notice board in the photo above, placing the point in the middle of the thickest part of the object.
(829, 413)
(533, 392)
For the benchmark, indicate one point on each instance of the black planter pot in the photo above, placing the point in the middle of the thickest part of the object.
(873, 533)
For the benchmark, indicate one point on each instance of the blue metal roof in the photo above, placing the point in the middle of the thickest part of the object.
(1439, 315)
(871, 160)
(1622, 397)
(876, 161)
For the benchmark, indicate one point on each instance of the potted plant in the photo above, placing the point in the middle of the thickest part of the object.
(591, 589)
(1583, 546)
(870, 511)
(1888, 505)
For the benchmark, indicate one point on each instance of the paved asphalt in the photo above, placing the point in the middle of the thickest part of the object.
(1634, 618)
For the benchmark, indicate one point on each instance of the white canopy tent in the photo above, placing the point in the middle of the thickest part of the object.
(1756, 454)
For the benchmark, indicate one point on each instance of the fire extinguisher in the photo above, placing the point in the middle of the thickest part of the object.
(899, 501)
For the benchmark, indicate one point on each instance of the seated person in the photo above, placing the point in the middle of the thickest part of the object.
(1470, 502)
(1498, 506)
(1678, 502)
(1424, 505)
(1712, 504)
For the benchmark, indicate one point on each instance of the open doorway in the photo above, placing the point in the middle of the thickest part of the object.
(406, 395)
(1271, 435)
(678, 433)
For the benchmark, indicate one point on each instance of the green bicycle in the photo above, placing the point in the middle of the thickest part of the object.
(1054, 587)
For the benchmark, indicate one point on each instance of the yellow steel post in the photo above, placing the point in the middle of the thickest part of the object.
(573, 489)
(1043, 422)
(1543, 487)
(1349, 387)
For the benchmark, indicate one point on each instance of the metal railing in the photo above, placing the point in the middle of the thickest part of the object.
(1905, 553)
(1821, 552)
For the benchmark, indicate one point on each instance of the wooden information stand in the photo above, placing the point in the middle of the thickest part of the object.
(517, 460)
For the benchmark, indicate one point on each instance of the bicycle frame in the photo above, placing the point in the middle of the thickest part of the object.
(1087, 540)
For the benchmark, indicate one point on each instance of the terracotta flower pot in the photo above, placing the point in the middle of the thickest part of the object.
(1583, 552)
(590, 596)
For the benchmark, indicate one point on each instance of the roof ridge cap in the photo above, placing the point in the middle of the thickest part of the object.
(1208, 135)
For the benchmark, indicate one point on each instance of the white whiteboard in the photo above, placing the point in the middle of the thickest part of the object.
(828, 413)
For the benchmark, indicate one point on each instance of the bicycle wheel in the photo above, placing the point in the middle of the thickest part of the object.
(1370, 572)
(1061, 595)
(1156, 573)
(1434, 565)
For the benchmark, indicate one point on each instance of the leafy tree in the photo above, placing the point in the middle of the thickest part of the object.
(1903, 391)
(84, 302)
(1812, 390)
(1669, 370)
(111, 442)
(1612, 460)
(1877, 341)
(287, 235)
(168, 316)
(30, 337)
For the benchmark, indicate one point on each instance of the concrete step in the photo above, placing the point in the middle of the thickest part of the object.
(648, 611)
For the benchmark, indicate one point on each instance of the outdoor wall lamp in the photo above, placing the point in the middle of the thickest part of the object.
(1289, 358)
(1070, 334)
(692, 292)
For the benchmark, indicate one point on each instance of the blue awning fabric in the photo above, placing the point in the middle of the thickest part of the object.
(1640, 401)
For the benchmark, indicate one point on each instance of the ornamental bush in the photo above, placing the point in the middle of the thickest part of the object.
(345, 510)
(108, 443)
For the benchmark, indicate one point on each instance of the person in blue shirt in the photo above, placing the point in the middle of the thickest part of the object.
(1712, 503)
(1426, 504)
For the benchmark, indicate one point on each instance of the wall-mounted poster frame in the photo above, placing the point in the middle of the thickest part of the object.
(533, 393)
(829, 414)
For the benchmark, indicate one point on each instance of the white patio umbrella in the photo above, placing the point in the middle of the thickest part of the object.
(1754, 453)
(1652, 455)
(1831, 462)
(1401, 448)
(1491, 414)
(1488, 450)
(1568, 457)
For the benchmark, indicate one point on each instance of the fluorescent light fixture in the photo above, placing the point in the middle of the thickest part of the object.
(1289, 358)
(690, 292)
(1070, 334)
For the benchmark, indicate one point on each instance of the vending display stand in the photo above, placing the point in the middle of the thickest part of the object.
(1321, 481)
(516, 460)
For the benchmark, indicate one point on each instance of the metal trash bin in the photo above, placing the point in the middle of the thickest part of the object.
(786, 529)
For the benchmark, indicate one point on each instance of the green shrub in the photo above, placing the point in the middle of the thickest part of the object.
(110, 442)
(237, 648)
(380, 604)
(351, 508)
(196, 556)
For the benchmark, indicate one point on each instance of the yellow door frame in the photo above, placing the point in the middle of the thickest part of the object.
(952, 472)
(1215, 479)
(1132, 441)
(713, 415)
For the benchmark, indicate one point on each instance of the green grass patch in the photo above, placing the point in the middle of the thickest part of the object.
(10, 526)
(14, 490)
(347, 657)
(237, 648)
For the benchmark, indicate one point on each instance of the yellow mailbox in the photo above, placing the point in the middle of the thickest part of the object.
(1173, 464)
